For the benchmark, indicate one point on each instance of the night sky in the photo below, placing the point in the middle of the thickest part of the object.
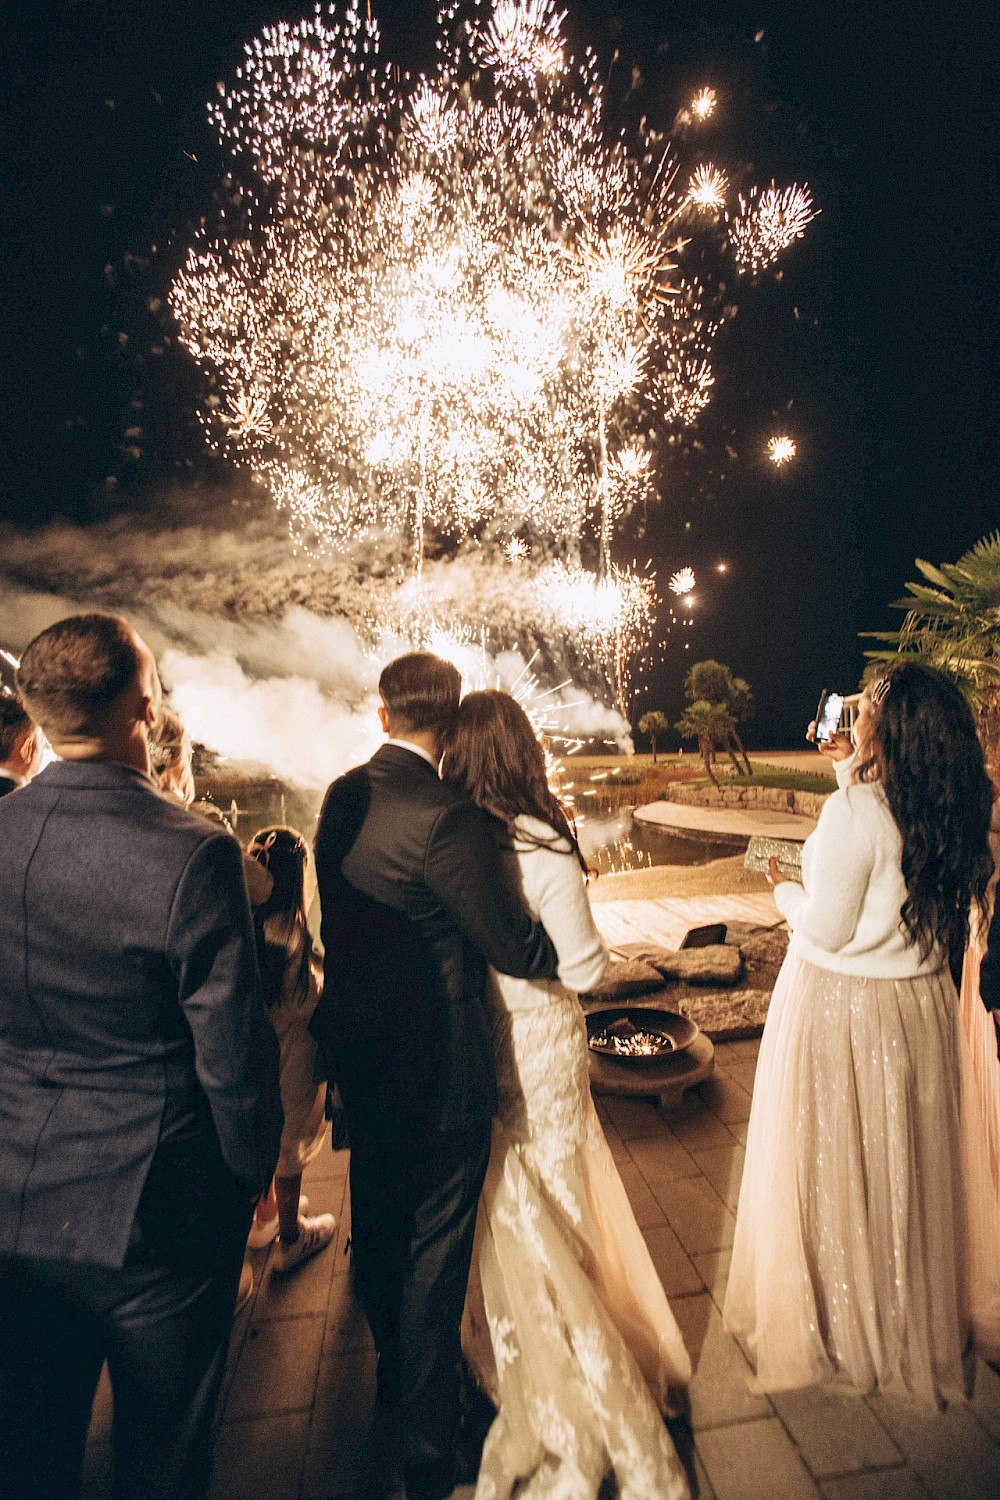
(877, 348)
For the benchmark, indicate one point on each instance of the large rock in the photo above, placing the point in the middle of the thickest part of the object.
(763, 954)
(717, 964)
(622, 980)
(728, 1017)
(732, 794)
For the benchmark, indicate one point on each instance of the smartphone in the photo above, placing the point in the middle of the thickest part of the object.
(831, 706)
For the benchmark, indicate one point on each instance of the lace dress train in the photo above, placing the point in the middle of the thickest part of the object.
(567, 1325)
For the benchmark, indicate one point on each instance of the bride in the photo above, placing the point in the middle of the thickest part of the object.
(567, 1326)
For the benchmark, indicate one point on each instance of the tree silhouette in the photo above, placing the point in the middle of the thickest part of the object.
(654, 724)
(713, 682)
(712, 725)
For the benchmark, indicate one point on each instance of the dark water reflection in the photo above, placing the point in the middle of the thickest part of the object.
(620, 842)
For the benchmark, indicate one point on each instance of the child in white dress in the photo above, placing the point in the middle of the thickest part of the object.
(291, 975)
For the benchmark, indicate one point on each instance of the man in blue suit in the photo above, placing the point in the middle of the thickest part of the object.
(139, 1113)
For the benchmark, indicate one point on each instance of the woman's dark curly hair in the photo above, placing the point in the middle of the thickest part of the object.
(921, 746)
(493, 755)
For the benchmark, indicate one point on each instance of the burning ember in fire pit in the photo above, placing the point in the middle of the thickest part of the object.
(625, 1040)
(638, 1033)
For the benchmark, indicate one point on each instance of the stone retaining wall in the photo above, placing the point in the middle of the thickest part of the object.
(806, 804)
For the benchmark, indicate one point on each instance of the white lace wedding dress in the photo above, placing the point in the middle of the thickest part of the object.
(567, 1326)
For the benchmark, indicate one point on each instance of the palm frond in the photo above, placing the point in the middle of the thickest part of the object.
(952, 621)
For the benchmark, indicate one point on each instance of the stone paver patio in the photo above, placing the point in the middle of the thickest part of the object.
(300, 1382)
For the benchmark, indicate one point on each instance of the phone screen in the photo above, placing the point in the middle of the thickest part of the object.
(828, 717)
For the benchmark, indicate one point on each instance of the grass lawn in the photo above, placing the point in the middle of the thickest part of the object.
(630, 768)
(615, 776)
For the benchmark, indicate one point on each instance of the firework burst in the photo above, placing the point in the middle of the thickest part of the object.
(707, 188)
(608, 617)
(703, 104)
(682, 582)
(767, 223)
(445, 308)
(781, 450)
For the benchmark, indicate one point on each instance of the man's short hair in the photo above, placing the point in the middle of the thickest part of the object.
(15, 721)
(420, 691)
(73, 673)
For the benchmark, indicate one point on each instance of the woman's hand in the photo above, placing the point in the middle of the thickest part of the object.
(774, 875)
(837, 747)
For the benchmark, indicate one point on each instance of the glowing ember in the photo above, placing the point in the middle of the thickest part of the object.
(624, 1039)
(781, 450)
(682, 582)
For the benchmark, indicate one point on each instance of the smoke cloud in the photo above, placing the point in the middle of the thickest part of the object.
(265, 656)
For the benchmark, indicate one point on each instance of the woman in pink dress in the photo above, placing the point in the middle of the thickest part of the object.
(979, 994)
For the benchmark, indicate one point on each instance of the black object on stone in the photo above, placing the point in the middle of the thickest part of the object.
(705, 937)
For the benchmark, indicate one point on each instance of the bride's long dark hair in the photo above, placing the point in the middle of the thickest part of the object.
(493, 756)
(921, 746)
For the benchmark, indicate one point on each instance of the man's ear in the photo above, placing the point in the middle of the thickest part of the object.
(27, 747)
(383, 717)
(150, 711)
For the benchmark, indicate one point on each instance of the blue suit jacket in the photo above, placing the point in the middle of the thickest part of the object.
(133, 1039)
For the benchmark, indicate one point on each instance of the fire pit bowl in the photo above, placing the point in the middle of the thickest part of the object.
(687, 1057)
(639, 1035)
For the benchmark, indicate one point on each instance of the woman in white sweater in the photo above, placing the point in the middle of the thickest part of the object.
(567, 1325)
(861, 1255)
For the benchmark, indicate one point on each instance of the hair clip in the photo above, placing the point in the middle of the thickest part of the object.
(261, 849)
(879, 690)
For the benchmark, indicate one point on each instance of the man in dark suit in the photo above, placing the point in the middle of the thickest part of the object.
(21, 745)
(139, 1114)
(415, 905)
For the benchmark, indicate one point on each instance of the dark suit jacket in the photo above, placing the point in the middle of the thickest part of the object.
(134, 1045)
(7, 784)
(415, 904)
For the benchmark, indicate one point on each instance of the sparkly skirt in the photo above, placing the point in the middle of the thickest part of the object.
(867, 1246)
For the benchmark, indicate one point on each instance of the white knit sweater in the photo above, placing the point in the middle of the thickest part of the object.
(551, 882)
(846, 914)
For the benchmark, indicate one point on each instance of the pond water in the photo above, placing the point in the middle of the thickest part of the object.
(620, 842)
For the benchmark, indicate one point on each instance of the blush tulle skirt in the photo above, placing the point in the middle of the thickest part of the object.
(867, 1245)
(982, 1039)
